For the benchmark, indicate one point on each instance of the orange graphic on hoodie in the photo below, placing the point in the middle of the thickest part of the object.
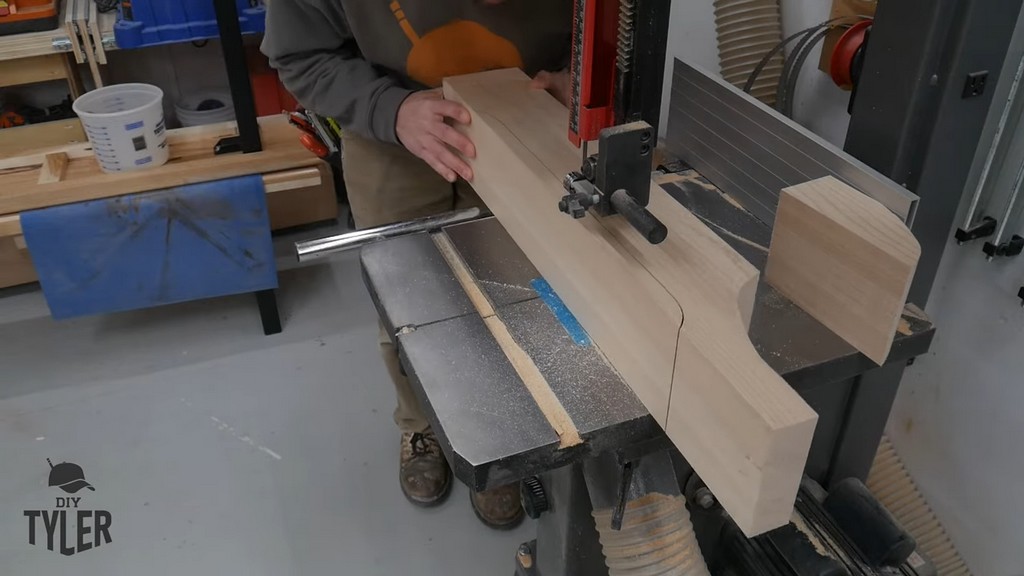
(459, 47)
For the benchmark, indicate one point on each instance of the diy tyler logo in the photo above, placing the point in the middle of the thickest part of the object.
(68, 528)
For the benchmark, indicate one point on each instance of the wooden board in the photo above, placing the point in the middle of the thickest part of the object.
(81, 21)
(845, 259)
(672, 319)
(15, 264)
(31, 70)
(96, 33)
(72, 13)
(192, 161)
(16, 46)
(74, 79)
(306, 200)
(35, 136)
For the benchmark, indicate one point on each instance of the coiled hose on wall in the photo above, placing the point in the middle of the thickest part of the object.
(747, 32)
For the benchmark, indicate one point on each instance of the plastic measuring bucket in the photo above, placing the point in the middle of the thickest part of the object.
(125, 125)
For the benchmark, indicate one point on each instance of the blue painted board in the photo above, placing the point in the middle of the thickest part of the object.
(153, 248)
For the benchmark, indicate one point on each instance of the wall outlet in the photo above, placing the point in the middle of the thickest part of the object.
(975, 84)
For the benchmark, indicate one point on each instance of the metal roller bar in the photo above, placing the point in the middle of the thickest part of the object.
(313, 249)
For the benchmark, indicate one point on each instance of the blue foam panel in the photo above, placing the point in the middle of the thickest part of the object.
(153, 248)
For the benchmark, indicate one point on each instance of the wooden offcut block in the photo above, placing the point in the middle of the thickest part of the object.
(845, 259)
(54, 167)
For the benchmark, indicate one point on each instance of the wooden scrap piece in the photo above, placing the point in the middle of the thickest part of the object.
(53, 168)
(672, 319)
(845, 259)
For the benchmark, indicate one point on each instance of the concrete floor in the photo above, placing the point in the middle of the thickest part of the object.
(217, 450)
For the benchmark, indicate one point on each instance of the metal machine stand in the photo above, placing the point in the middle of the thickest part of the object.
(248, 139)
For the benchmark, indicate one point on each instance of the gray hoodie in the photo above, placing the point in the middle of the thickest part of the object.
(357, 60)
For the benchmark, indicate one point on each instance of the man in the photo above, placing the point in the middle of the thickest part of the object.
(374, 66)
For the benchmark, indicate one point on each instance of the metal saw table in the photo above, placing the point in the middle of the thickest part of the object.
(491, 430)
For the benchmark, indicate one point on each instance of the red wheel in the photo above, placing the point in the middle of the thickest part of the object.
(842, 57)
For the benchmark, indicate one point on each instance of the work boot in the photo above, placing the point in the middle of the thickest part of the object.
(498, 508)
(423, 471)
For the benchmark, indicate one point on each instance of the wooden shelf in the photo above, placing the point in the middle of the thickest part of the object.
(192, 161)
(16, 141)
(32, 70)
(17, 46)
(29, 44)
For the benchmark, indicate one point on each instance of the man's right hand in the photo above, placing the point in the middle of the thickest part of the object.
(422, 128)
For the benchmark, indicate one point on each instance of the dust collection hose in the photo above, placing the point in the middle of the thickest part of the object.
(656, 539)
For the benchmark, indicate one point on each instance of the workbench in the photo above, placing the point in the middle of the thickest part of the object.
(489, 426)
(299, 186)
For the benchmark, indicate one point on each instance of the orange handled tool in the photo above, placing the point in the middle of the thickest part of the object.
(314, 145)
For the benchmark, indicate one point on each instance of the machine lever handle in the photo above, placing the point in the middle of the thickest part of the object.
(645, 223)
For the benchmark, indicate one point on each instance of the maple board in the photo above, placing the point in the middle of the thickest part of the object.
(672, 319)
(845, 259)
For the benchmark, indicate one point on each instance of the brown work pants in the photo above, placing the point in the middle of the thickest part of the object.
(387, 184)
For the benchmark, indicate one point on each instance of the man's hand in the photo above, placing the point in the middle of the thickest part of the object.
(556, 83)
(422, 128)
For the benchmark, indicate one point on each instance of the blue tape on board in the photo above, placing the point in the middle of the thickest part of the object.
(561, 311)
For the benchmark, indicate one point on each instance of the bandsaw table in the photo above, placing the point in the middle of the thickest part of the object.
(489, 426)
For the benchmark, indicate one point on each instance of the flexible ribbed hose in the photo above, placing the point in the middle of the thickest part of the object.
(656, 539)
(747, 31)
(890, 482)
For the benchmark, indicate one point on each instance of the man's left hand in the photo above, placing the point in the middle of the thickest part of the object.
(556, 83)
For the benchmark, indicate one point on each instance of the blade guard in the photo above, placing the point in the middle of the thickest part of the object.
(594, 50)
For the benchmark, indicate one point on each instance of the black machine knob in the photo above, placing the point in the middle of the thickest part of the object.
(572, 206)
(579, 199)
(534, 499)
(589, 168)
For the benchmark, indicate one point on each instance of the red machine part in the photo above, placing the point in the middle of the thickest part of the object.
(269, 94)
(594, 49)
(842, 57)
